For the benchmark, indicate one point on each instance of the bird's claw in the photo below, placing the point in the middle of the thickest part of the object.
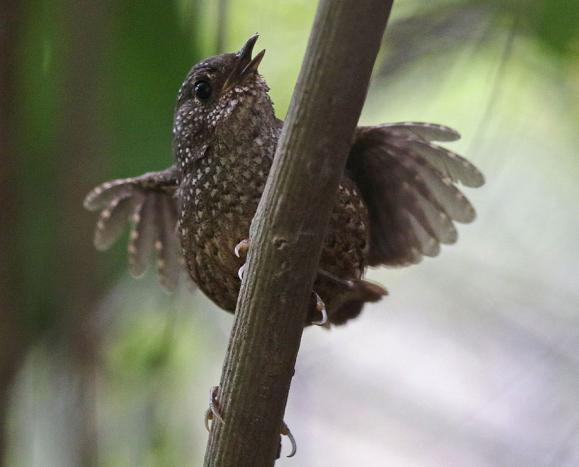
(321, 308)
(241, 248)
(240, 251)
(213, 410)
(213, 414)
(241, 272)
(285, 431)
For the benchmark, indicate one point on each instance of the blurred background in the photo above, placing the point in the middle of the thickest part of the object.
(473, 359)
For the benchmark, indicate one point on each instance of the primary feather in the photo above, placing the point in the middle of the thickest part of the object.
(407, 183)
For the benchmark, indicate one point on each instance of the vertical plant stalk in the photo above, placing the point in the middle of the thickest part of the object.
(14, 339)
(288, 230)
(83, 140)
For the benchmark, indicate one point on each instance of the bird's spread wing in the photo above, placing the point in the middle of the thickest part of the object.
(408, 184)
(148, 203)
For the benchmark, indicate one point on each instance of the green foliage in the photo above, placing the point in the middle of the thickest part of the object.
(40, 79)
(147, 49)
(554, 23)
(149, 53)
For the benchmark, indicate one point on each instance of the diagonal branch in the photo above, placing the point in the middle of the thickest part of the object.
(289, 227)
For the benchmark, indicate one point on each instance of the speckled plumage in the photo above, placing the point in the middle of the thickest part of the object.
(396, 202)
(220, 190)
(224, 150)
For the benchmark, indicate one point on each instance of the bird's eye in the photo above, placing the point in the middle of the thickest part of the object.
(202, 90)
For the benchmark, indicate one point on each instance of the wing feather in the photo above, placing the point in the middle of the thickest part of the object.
(426, 131)
(408, 184)
(455, 167)
(142, 236)
(148, 202)
(112, 220)
(428, 245)
(454, 203)
(169, 266)
(103, 195)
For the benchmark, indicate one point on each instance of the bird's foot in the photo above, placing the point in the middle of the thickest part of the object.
(213, 410)
(240, 251)
(241, 272)
(213, 413)
(241, 248)
(285, 431)
(321, 309)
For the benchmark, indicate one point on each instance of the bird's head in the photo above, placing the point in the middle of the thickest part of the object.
(213, 93)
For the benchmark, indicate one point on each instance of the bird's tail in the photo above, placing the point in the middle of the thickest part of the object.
(345, 301)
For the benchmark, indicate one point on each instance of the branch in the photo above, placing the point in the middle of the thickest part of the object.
(288, 230)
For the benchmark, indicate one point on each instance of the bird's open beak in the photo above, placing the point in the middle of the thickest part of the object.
(245, 64)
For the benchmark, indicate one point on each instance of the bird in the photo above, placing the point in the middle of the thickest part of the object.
(397, 201)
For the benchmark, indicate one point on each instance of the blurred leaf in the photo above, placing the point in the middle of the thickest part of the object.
(556, 25)
(438, 30)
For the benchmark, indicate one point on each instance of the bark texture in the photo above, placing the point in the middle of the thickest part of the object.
(288, 230)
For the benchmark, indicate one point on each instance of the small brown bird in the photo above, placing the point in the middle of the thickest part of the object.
(397, 200)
